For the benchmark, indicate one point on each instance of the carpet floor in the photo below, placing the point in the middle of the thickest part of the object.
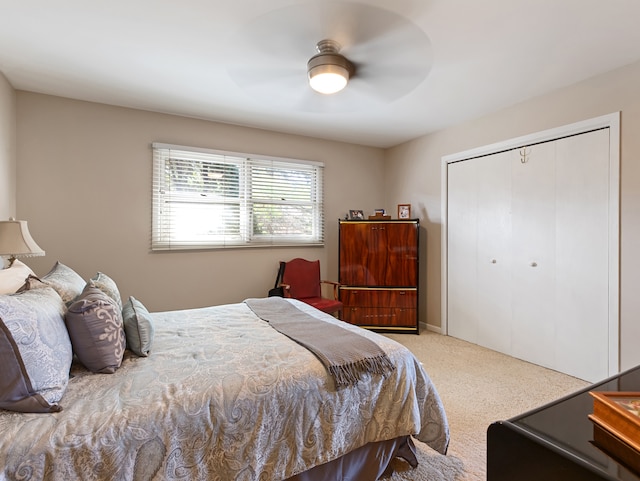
(478, 386)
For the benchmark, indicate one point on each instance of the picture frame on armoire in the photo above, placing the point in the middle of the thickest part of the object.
(356, 214)
(404, 211)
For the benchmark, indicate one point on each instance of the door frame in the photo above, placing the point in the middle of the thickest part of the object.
(610, 121)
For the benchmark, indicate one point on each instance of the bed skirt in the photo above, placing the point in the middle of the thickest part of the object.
(366, 463)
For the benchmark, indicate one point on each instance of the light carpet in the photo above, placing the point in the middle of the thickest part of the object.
(478, 386)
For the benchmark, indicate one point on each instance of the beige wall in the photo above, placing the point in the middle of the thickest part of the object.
(7, 149)
(414, 175)
(84, 170)
(84, 185)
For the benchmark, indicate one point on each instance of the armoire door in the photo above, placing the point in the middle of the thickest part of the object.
(527, 253)
(354, 254)
(379, 253)
(401, 243)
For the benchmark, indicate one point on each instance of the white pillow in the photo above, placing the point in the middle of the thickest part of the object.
(13, 278)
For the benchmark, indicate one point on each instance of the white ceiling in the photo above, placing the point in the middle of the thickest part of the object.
(244, 61)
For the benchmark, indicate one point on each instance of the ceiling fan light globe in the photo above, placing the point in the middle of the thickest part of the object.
(328, 79)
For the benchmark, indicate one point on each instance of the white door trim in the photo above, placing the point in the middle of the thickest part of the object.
(611, 121)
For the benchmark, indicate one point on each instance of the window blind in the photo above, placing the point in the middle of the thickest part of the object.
(211, 199)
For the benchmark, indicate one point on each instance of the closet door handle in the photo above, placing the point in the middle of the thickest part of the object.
(534, 264)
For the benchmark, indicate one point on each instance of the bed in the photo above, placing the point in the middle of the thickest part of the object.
(222, 395)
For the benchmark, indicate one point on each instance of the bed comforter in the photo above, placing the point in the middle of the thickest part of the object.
(223, 396)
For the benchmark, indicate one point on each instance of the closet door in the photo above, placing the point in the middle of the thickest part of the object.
(582, 255)
(462, 280)
(534, 253)
(494, 251)
(479, 238)
(528, 253)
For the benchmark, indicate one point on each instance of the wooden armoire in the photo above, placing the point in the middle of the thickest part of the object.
(378, 274)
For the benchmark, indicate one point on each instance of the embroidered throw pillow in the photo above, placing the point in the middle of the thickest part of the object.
(94, 322)
(108, 286)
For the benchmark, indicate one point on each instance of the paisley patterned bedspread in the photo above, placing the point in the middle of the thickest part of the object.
(223, 396)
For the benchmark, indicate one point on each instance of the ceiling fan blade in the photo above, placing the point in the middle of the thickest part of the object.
(274, 76)
(392, 55)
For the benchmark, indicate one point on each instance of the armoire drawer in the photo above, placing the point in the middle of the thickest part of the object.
(354, 297)
(377, 317)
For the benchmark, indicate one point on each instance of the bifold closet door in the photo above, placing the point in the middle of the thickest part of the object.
(582, 255)
(479, 233)
(462, 277)
(494, 248)
(533, 172)
(527, 253)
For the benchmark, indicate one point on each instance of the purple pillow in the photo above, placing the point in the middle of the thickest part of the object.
(94, 322)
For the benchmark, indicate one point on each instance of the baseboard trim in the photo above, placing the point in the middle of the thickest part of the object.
(430, 327)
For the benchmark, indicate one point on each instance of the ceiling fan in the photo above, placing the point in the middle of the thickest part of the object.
(329, 72)
(386, 55)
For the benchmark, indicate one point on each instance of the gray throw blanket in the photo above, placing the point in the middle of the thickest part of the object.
(346, 354)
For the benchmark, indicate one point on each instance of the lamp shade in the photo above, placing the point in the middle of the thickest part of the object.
(16, 241)
(328, 79)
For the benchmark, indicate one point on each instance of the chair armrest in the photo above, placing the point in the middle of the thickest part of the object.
(335, 285)
(286, 289)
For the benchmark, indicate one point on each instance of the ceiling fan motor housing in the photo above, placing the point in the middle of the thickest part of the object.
(328, 55)
(329, 61)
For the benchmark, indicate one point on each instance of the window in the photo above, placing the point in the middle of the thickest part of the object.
(211, 199)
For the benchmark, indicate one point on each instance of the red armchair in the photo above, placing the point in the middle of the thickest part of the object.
(301, 280)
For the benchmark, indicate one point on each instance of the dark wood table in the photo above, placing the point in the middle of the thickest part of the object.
(555, 441)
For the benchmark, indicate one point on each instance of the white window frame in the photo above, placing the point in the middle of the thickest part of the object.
(244, 205)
